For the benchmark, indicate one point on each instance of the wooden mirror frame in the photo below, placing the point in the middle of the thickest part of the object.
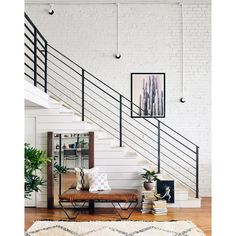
(50, 179)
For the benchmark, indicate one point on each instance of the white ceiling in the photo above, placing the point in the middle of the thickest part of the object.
(64, 2)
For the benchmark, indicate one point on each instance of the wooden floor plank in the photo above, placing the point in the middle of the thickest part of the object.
(199, 216)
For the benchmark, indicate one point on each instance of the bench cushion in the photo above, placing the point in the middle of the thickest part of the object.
(122, 195)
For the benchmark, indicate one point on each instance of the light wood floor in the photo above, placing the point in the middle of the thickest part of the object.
(200, 216)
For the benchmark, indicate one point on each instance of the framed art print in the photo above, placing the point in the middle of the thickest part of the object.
(166, 189)
(147, 95)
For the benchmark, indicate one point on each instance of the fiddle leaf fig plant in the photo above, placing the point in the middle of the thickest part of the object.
(149, 175)
(34, 161)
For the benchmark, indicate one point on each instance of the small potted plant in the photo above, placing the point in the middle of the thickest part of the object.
(82, 143)
(150, 176)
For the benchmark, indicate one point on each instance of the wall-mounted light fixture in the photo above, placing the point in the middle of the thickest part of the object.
(117, 55)
(182, 99)
(51, 9)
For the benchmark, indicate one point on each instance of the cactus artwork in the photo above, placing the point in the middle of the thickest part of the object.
(148, 95)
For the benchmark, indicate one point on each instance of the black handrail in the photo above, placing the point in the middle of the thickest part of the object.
(36, 41)
(126, 132)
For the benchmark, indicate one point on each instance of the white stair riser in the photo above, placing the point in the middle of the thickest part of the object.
(55, 118)
(65, 110)
(121, 169)
(77, 118)
(55, 105)
(103, 142)
(107, 149)
(112, 155)
(120, 176)
(117, 162)
(190, 203)
(181, 196)
(79, 125)
(125, 183)
(43, 112)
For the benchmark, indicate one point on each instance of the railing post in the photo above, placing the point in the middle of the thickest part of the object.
(45, 66)
(158, 148)
(82, 94)
(35, 57)
(120, 120)
(197, 171)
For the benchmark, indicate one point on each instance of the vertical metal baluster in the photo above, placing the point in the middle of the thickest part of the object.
(60, 150)
(197, 171)
(120, 120)
(35, 56)
(158, 148)
(82, 94)
(45, 66)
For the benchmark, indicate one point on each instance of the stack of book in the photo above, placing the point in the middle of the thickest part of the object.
(147, 201)
(159, 207)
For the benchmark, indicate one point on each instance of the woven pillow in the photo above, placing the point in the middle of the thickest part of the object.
(98, 182)
(82, 177)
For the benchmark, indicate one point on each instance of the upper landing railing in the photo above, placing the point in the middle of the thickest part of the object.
(35, 55)
(99, 103)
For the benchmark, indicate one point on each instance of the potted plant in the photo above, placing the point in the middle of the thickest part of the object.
(150, 176)
(82, 143)
(34, 161)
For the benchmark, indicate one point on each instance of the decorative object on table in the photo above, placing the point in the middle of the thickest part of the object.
(72, 145)
(82, 143)
(108, 228)
(34, 161)
(146, 204)
(98, 182)
(147, 95)
(150, 176)
(166, 189)
(159, 207)
(82, 177)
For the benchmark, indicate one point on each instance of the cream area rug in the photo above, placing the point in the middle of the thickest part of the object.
(113, 228)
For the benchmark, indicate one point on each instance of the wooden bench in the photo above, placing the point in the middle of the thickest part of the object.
(114, 196)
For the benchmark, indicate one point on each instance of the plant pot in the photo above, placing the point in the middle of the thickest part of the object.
(148, 185)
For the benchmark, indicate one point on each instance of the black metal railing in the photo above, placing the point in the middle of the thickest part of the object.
(35, 55)
(99, 103)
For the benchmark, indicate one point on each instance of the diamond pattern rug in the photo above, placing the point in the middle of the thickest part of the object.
(113, 228)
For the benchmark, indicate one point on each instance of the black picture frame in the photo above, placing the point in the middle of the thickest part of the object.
(142, 85)
(166, 194)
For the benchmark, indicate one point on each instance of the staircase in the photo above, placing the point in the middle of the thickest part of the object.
(123, 145)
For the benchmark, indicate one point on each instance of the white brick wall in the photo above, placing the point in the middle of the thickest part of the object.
(150, 41)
